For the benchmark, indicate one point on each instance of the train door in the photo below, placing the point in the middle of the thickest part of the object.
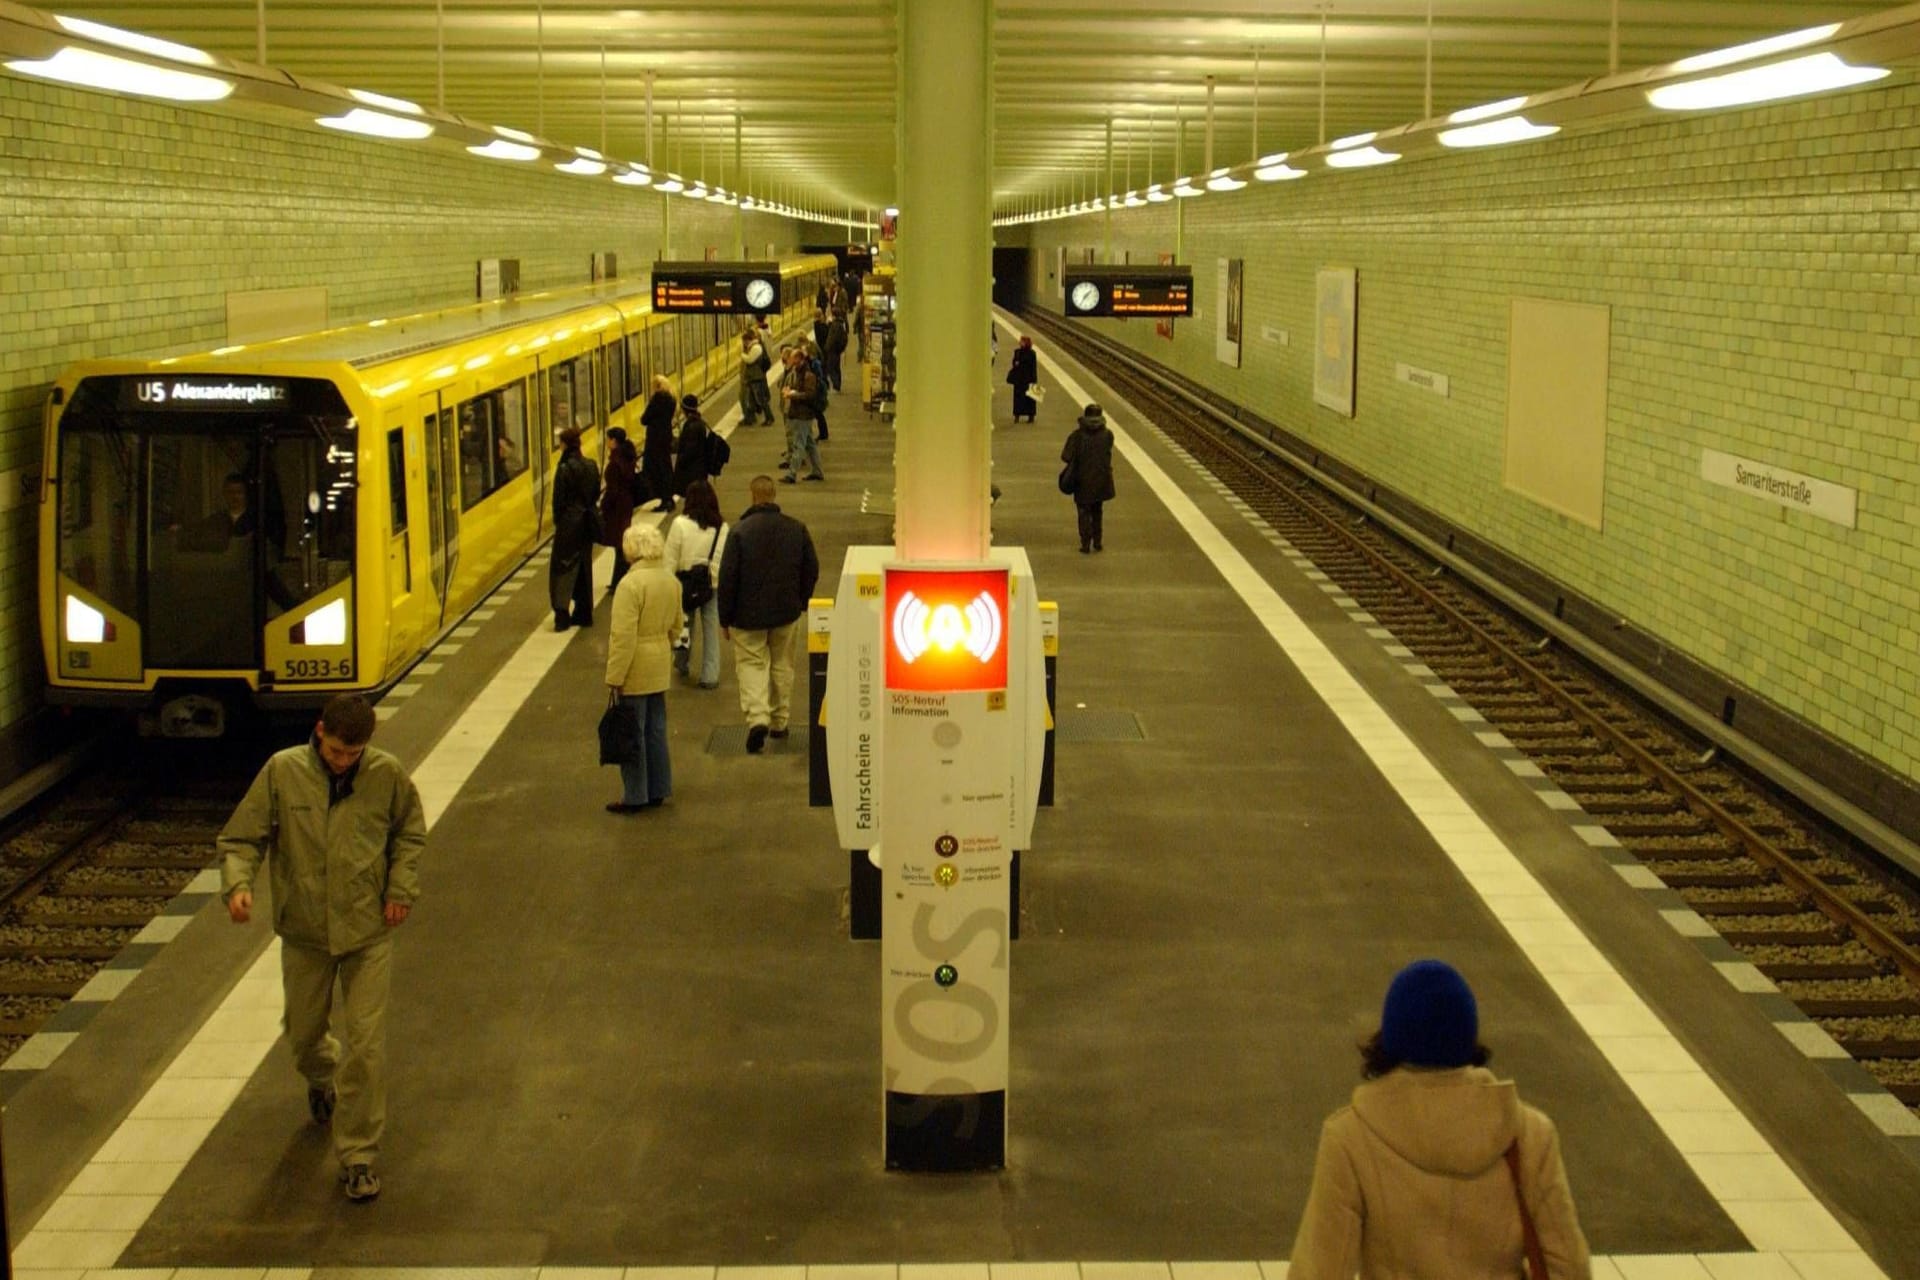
(399, 539)
(441, 446)
(540, 445)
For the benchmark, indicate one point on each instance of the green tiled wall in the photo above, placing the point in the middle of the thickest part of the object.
(126, 224)
(1760, 270)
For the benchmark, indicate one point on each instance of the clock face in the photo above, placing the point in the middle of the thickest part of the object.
(759, 294)
(1086, 296)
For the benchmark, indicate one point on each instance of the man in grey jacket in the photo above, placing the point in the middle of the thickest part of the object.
(342, 824)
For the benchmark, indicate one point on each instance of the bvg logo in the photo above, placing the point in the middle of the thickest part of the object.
(947, 629)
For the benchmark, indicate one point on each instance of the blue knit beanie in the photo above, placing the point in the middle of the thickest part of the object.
(1430, 1019)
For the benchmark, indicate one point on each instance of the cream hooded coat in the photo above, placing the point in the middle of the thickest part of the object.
(1410, 1184)
(646, 620)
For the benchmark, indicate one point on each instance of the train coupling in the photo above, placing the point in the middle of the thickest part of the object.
(192, 715)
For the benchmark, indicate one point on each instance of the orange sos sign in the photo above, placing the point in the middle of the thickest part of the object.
(946, 629)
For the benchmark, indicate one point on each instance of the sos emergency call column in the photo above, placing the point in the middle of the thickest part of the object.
(950, 789)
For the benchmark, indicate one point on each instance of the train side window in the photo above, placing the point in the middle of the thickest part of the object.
(637, 365)
(510, 435)
(397, 480)
(583, 414)
(616, 357)
(560, 396)
(476, 425)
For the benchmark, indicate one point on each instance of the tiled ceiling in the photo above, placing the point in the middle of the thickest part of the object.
(812, 83)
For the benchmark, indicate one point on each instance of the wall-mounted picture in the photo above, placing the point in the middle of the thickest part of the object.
(1226, 337)
(1334, 312)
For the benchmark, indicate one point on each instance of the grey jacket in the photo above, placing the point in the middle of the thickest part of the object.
(333, 867)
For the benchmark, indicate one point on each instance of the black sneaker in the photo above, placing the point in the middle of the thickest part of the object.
(756, 739)
(789, 479)
(816, 476)
(777, 734)
(320, 1103)
(361, 1182)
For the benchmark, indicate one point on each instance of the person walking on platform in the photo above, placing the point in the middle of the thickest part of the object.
(767, 574)
(695, 542)
(690, 455)
(756, 402)
(1437, 1168)
(618, 498)
(799, 391)
(646, 618)
(656, 446)
(576, 501)
(835, 348)
(818, 365)
(341, 826)
(1022, 372)
(1088, 455)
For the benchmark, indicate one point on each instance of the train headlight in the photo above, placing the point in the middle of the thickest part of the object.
(326, 625)
(86, 624)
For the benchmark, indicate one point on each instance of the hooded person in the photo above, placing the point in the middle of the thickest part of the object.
(1436, 1168)
(1088, 455)
(690, 455)
(576, 521)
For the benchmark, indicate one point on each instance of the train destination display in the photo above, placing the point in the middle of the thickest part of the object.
(708, 288)
(1095, 291)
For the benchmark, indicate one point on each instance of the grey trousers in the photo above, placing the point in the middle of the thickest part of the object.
(343, 1045)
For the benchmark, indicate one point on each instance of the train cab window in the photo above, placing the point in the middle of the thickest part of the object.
(99, 505)
(397, 481)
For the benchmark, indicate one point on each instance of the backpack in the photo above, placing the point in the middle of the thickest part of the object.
(719, 453)
(819, 385)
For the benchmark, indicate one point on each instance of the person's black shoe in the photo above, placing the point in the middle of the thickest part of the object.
(1085, 549)
(582, 620)
(756, 739)
(655, 804)
(562, 622)
(816, 476)
(780, 734)
(620, 806)
(320, 1103)
(361, 1182)
(1097, 546)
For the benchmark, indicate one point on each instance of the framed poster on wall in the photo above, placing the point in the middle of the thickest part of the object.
(1226, 335)
(1334, 312)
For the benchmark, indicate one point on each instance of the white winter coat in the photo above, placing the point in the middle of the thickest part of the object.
(1410, 1182)
(687, 545)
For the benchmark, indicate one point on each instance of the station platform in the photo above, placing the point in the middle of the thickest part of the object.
(646, 1042)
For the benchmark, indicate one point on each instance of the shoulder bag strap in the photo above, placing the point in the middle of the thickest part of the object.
(1536, 1259)
(713, 546)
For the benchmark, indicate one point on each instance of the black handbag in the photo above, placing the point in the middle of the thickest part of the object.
(619, 731)
(696, 581)
(1069, 482)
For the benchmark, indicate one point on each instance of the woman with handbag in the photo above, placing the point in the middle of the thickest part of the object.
(646, 618)
(694, 545)
(1088, 475)
(1022, 373)
(1437, 1168)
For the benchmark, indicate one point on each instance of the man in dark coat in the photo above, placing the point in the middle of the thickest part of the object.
(576, 501)
(1023, 372)
(767, 575)
(1088, 454)
(618, 498)
(835, 347)
(690, 457)
(656, 447)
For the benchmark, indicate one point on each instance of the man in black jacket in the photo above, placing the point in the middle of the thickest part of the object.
(767, 575)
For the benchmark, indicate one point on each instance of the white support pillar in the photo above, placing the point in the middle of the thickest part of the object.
(946, 272)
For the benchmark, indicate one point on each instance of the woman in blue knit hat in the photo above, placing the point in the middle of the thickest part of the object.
(1437, 1168)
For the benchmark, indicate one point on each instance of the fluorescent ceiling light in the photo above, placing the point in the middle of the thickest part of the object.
(634, 177)
(1354, 140)
(135, 41)
(1756, 48)
(1499, 108)
(501, 149)
(518, 135)
(746, 202)
(583, 167)
(589, 153)
(91, 70)
(385, 103)
(698, 191)
(377, 124)
(1496, 133)
(1185, 189)
(1223, 180)
(719, 196)
(1132, 201)
(1815, 73)
(1156, 196)
(1274, 168)
(892, 212)
(1365, 158)
(671, 185)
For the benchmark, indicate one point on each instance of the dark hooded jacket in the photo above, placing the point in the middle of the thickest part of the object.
(690, 459)
(576, 499)
(1089, 451)
(617, 498)
(656, 450)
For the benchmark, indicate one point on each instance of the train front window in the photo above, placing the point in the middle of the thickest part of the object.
(99, 515)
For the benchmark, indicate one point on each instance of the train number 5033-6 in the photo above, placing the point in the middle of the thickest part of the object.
(316, 669)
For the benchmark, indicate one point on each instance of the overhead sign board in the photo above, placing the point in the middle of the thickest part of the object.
(1129, 291)
(715, 288)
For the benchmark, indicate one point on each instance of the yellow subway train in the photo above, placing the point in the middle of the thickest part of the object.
(279, 522)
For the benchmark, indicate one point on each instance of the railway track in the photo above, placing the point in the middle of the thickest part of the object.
(83, 871)
(1828, 925)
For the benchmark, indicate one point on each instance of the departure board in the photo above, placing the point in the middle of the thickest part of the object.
(710, 288)
(1129, 291)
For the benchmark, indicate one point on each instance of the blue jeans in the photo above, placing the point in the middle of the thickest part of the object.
(651, 776)
(800, 444)
(703, 628)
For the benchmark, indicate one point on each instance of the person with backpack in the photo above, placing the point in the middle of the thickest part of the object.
(690, 453)
(756, 402)
(799, 391)
(694, 546)
(819, 389)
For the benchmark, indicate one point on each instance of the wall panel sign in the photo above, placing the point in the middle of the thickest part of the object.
(1335, 310)
(1129, 291)
(708, 288)
(1425, 379)
(1229, 286)
(1789, 489)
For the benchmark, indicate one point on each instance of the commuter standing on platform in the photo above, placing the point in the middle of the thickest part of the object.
(690, 457)
(646, 618)
(656, 446)
(341, 825)
(798, 392)
(767, 574)
(756, 402)
(1437, 1168)
(618, 498)
(1088, 455)
(699, 538)
(821, 387)
(1022, 372)
(576, 502)
(835, 348)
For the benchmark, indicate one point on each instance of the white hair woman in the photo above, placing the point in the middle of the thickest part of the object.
(646, 620)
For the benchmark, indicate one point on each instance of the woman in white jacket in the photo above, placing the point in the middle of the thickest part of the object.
(698, 537)
(1438, 1168)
